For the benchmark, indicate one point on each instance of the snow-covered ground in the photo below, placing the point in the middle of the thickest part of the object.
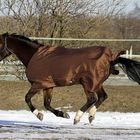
(106, 126)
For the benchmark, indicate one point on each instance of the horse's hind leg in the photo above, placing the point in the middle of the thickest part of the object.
(47, 101)
(101, 97)
(91, 99)
(28, 97)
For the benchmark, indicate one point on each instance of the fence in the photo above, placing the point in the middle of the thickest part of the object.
(83, 39)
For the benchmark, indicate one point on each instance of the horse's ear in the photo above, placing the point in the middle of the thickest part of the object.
(2, 37)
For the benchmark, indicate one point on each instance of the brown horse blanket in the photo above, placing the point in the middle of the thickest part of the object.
(59, 66)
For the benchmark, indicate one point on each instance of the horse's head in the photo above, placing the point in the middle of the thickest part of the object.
(21, 46)
(4, 51)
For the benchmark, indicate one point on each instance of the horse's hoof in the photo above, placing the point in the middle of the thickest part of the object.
(91, 118)
(40, 116)
(66, 115)
(76, 121)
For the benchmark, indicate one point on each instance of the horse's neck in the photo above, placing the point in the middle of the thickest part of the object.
(25, 56)
(24, 53)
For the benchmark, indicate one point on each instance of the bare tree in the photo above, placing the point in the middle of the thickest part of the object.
(54, 18)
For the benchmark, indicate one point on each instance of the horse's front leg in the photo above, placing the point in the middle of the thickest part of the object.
(28, 97)
(47, 101)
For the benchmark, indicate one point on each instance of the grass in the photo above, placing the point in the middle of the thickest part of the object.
(120, 98)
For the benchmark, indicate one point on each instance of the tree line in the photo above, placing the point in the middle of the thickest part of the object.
(71, 18)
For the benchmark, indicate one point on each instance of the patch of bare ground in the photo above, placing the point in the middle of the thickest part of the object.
(120, 98)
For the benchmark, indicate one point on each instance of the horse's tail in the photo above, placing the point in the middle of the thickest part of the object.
(130, 67)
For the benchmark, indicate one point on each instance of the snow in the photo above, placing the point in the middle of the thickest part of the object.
(107, 125)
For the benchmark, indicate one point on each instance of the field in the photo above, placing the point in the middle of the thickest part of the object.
(120, 98)
(18, 123)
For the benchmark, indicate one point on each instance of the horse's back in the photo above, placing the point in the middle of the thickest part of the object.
(92, 51)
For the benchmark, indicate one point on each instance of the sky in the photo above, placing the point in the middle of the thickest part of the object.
(131, 5)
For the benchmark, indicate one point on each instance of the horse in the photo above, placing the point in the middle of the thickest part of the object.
(55, 66)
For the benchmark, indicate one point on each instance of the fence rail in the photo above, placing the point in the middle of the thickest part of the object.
(84, 39)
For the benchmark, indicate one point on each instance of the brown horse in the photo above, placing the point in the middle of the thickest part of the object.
(48, 67)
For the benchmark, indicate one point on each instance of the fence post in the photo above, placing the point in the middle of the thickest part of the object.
(131, 52)
(127, 53)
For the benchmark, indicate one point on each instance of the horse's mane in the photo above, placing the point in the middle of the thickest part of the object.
(28, 41)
